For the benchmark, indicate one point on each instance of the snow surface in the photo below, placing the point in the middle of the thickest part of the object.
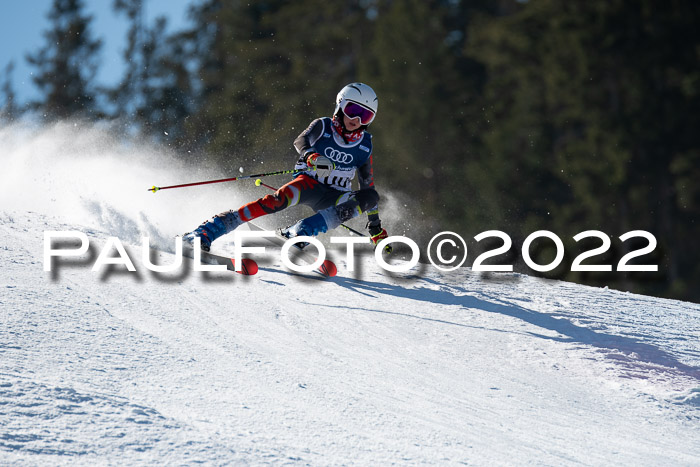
(113, 367)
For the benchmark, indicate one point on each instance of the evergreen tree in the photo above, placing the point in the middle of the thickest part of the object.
(210, 129)
(428, 113)
(167, 97)
(316, 62)
(591, 108)
(67, 64)
(263, 77)
(9, 110)
(130, 90)
(155, 96)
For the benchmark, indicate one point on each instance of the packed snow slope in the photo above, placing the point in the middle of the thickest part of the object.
(367, 368)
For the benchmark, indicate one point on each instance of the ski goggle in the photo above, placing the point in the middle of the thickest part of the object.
(353, 110)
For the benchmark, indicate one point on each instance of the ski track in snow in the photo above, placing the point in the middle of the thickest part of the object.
(459, 368)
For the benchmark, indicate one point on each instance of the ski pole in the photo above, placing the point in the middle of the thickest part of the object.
(233, 179)
(388, 248)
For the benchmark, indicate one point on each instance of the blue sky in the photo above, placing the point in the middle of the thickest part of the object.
(23, 21)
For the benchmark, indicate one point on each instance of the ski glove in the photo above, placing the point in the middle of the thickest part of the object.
(378, 237)
(321, 164)
(376, 233)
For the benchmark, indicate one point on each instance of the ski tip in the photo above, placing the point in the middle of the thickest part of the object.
(248, 267)
(328, 268)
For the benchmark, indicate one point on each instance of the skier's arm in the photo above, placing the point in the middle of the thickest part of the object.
(374, 224)
(309, 158)
(304, 144)
(365, 174)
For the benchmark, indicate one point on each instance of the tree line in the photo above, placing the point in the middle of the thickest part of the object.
(509, 115)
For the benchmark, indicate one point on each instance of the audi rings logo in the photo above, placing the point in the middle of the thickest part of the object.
(338, 156)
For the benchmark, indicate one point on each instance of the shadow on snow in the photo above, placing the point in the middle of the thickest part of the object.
(627, 351)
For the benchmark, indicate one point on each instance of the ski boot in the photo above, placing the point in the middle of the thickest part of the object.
(219, 225)
(202, 233)
(319, 223)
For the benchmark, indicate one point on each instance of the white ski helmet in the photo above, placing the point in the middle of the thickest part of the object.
(361, 94)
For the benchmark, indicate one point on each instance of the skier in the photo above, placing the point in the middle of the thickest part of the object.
(331, 151)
